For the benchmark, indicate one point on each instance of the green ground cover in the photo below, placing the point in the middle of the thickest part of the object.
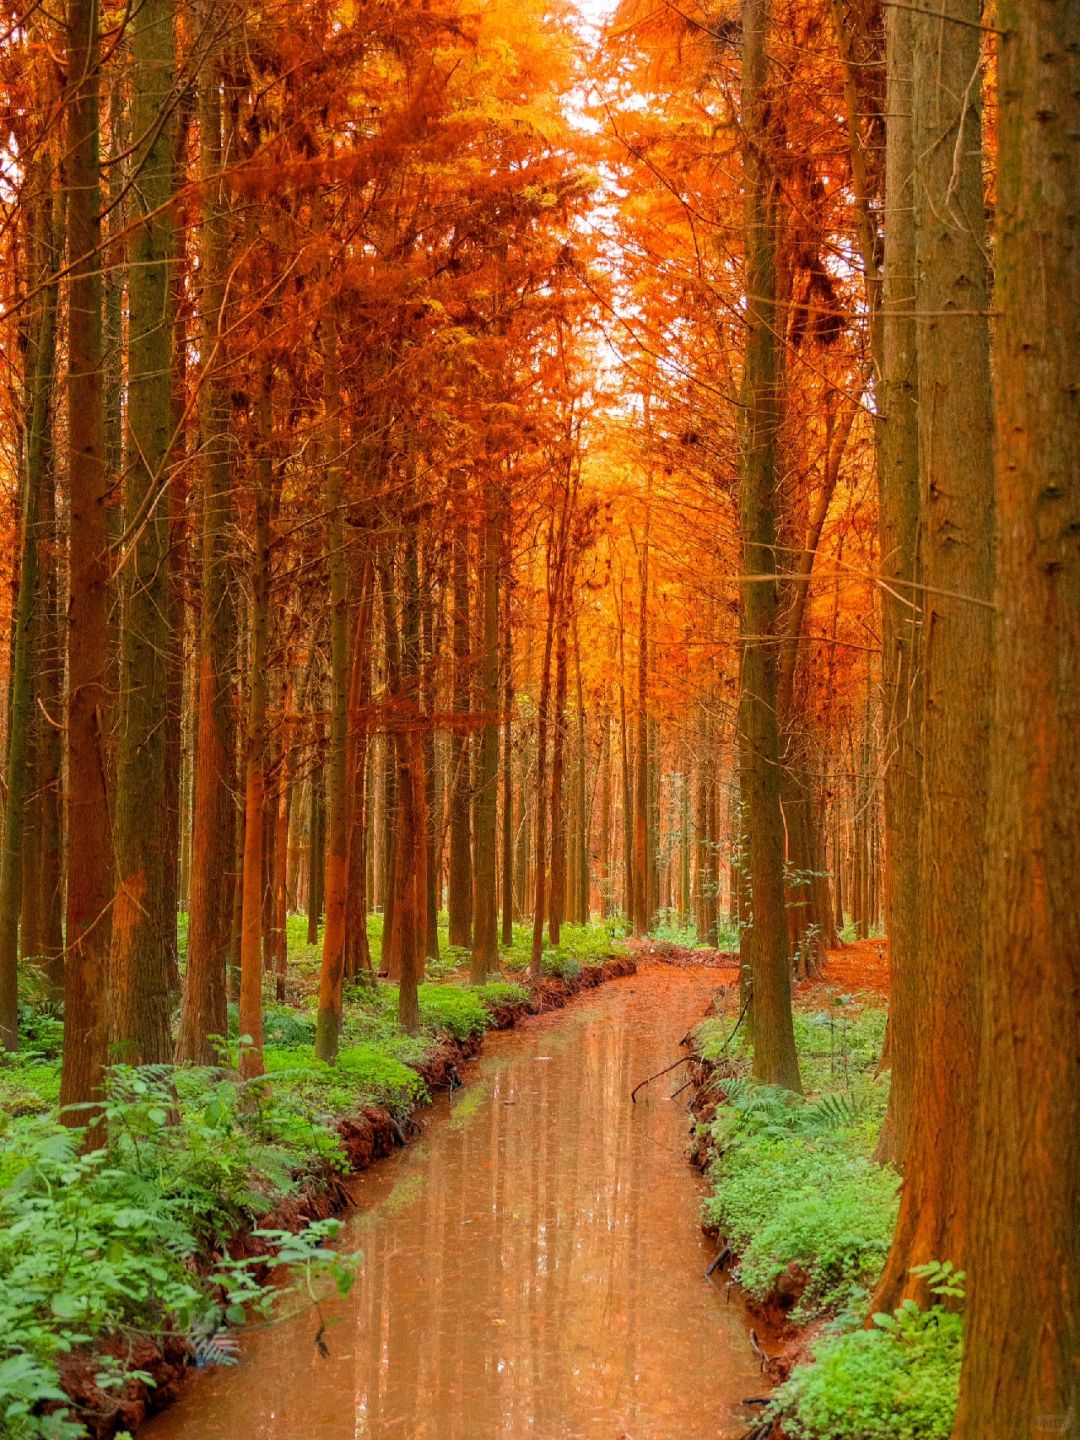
(797, 1195)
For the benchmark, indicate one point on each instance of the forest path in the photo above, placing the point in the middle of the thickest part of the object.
(532, 1266)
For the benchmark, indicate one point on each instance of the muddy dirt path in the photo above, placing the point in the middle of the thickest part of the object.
(532, 1265)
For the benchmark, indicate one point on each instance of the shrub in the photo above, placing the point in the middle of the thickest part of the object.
(896, 1381)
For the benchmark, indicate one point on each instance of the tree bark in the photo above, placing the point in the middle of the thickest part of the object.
(955, 419)
(1023, 1253)
(459, 882)
(764, 939)
(485, 950)
(89, 893)
(37, 474)
(338, 789)
(507, 749)
(251, 922)
(140, 978)
(901, 600)
(215, 823)
(557, 892)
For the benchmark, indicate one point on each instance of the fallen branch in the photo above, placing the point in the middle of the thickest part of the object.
(682, 1060)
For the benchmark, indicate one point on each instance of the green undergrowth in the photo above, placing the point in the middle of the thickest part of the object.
(794, 1187)
(579, 947)
(896, 1379)
(797, 1195)
(131, 1235)
(134, 1236)
(686, 936)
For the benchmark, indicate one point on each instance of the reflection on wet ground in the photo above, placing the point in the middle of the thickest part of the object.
(532, 1266)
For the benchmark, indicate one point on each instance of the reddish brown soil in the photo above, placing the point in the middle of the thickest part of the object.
(861, 968)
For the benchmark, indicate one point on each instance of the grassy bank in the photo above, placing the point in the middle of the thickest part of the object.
(807, 1216)
(124, 1263)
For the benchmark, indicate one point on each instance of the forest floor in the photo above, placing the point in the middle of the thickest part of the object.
(145, 1250)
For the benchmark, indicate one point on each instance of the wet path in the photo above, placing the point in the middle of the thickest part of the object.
(532, 1265)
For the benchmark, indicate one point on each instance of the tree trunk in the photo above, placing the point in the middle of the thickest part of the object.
(606, 817)
(89, 892)
(558, 798)
(251, 923)
(406, 941)
(764, 940)
(582, 809)
(485, 951)
(31, 602)
(901, 601)
(640, 917)
(357, 947)
(432, 779)
(140, 979)
(1020, 1374)
(507, 750)
(338, 788)
(215, 824)
(955, 418)
(459, 885)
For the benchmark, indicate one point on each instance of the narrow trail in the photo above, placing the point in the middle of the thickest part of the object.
(532, 1266)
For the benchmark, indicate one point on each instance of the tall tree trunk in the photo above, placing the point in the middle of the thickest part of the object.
(50, 738)
(485, 951)
(581, 809)
(140, 980)
(459, 884)
(281, 813)
(1023, 1254)
(554, 598)
(764, 940)
(640, 917)
(338, 788)
(251, 923)
(606, 817)
(557, 897)
(357, 947)
(406, 940)
(37, 473)
(901, 602)
(175, 817)
(215, 823)
(432, 779)
(626, 788)
(507, 749)
(955, 418)
(89, 893)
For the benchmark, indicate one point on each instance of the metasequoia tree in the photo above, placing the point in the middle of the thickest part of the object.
(203, 1012)
(37, 481)
(765, 941)
(139, 979)
(1022, 1248)
(955, 417)
(89, 830)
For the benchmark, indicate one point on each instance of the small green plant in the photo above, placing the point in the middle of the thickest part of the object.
(95, 1242)
(897, 1380)
(794, 1184)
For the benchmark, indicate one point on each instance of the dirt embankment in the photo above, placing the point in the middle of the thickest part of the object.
(368, 1135)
